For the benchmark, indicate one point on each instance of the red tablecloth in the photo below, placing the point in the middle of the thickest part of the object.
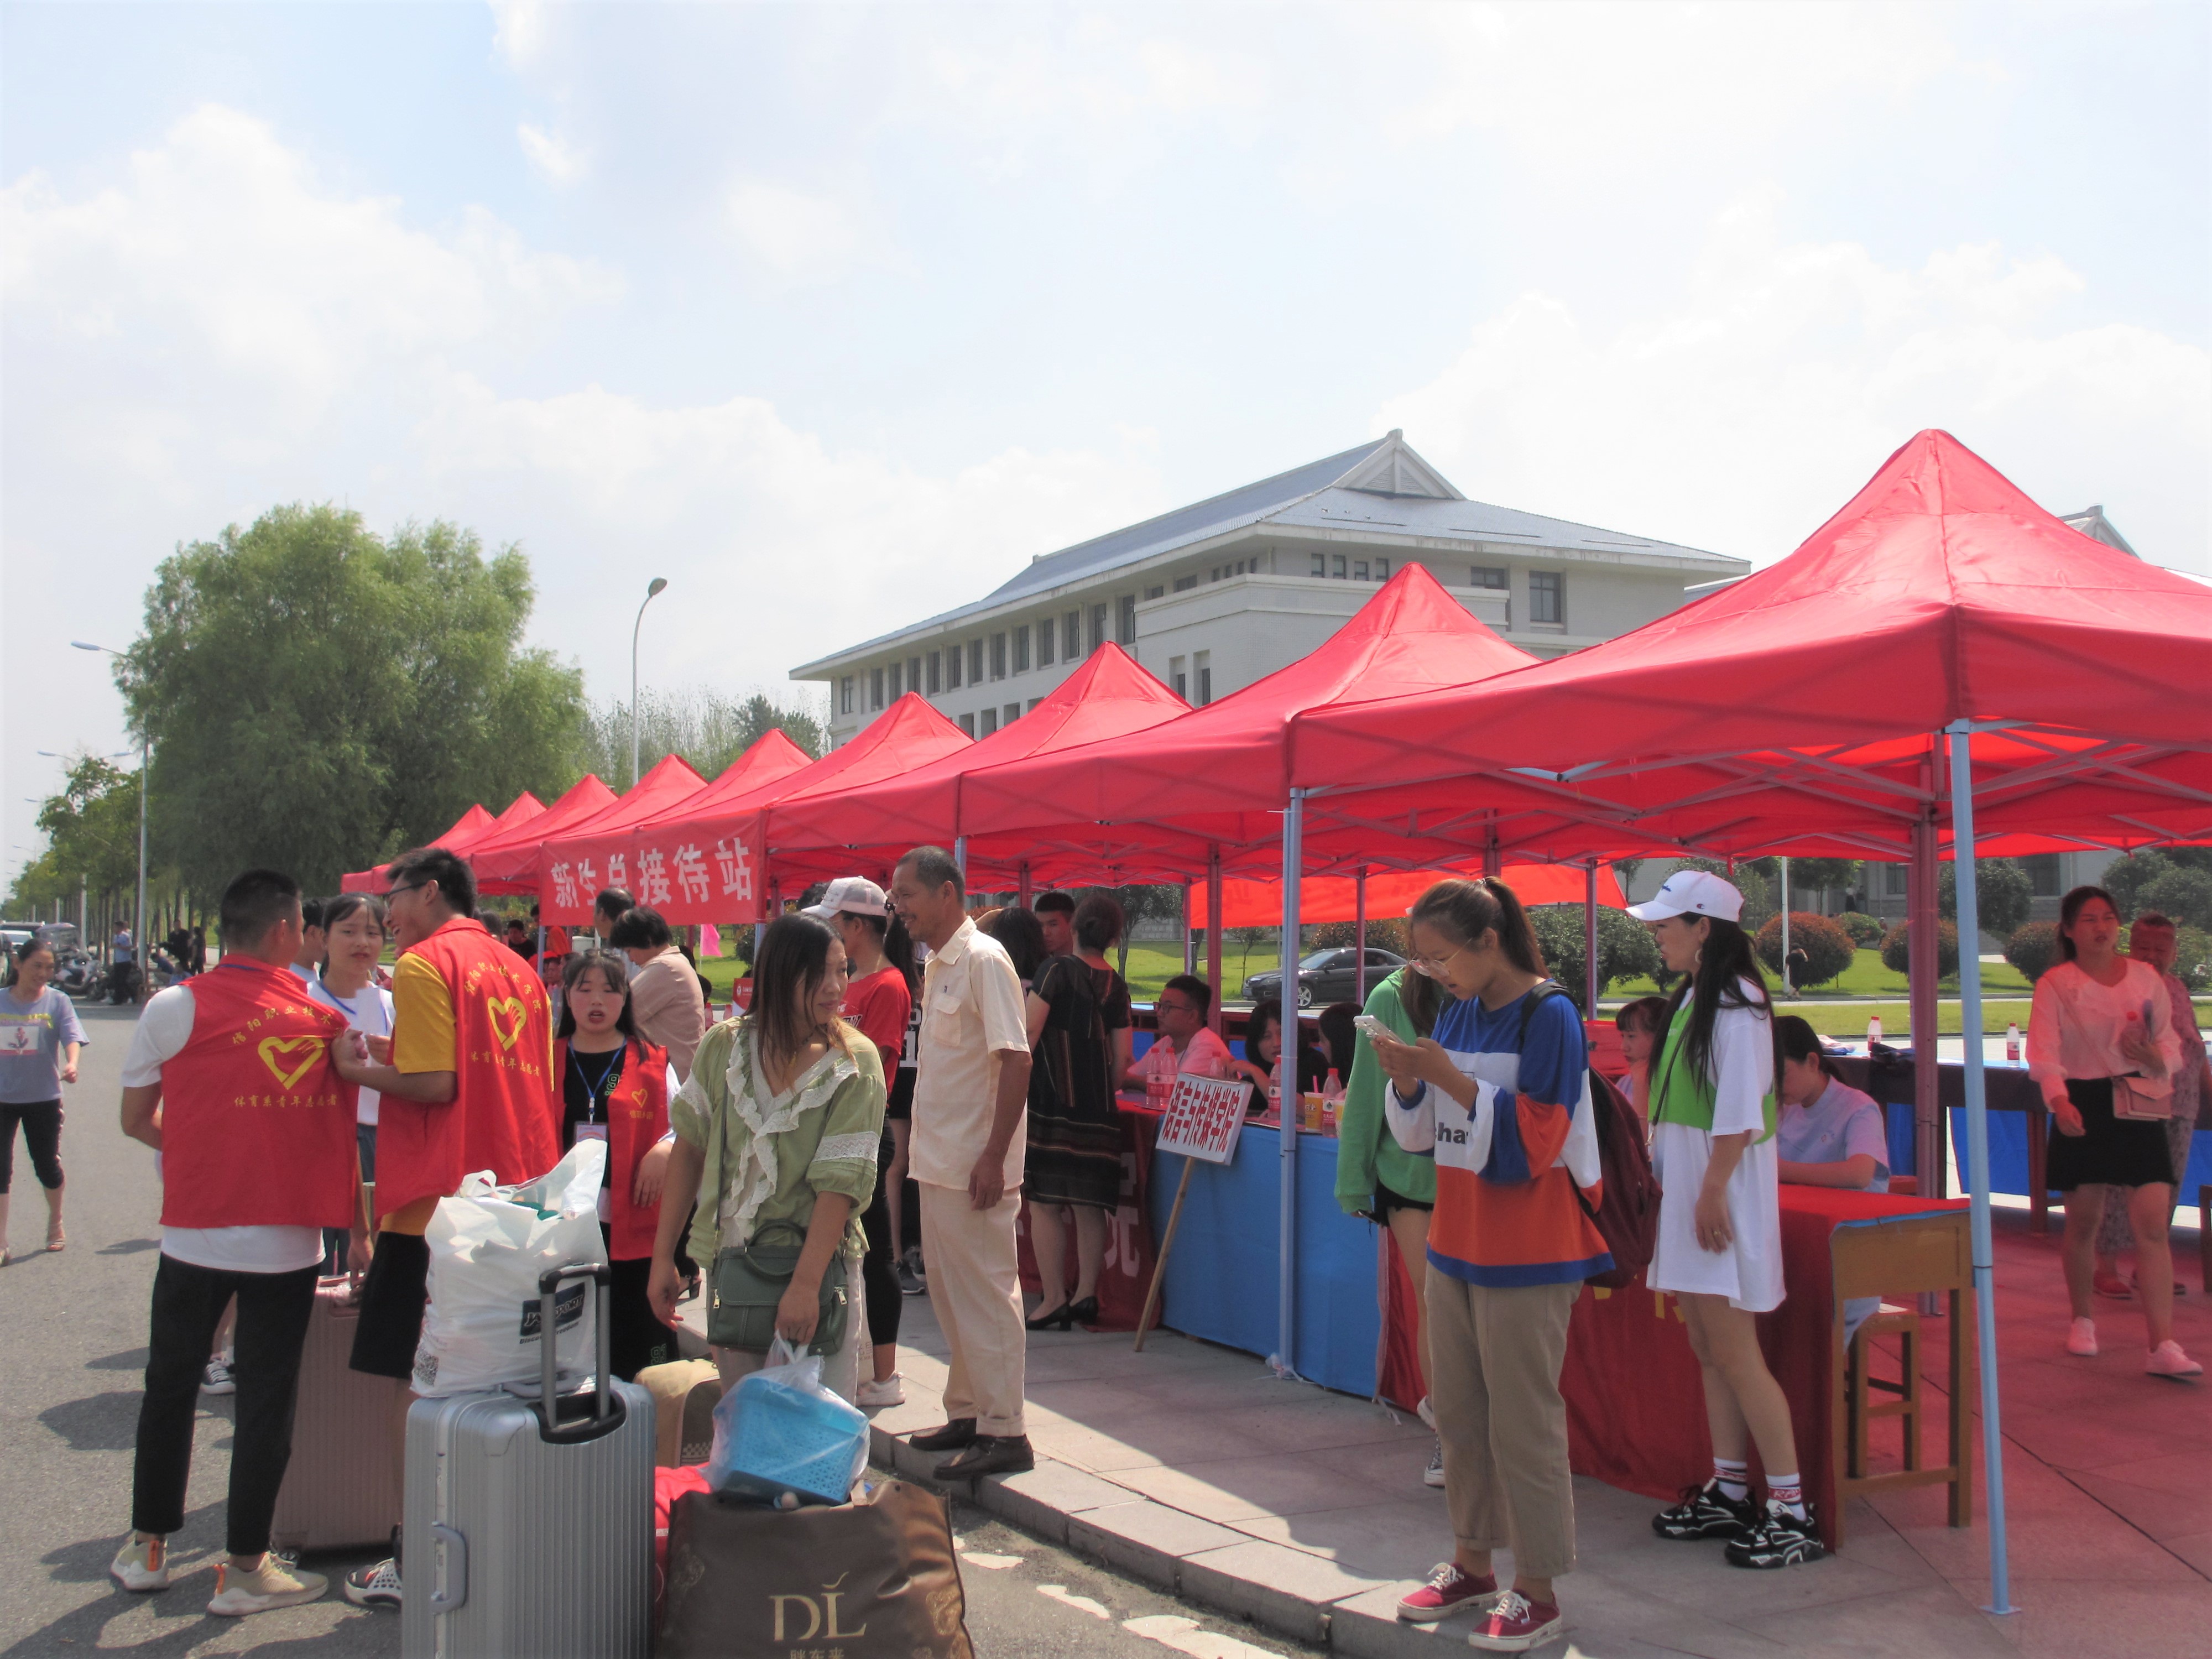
(1129, 1254)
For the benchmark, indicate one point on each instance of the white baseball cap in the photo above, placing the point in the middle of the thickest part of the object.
(1690, 892)
(852, 895)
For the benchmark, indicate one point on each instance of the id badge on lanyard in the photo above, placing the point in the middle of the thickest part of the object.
(598, 1132)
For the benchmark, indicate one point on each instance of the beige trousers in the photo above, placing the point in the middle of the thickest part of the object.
(975, 1291)
(1494, 1358)
(841, 1367)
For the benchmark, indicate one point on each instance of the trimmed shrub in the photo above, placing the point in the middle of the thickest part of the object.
(2032, 948)
(1828, 949)
(1864, 930)
(2185, 896)
(2003, 894)
(1897, 944)
(2193, 957)
(1625, 948)
(1383, 933)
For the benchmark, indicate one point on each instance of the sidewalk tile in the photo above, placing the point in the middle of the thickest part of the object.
(1041, 1499)
(1283, 1590)
(1230, 1490)
(1146, 1540)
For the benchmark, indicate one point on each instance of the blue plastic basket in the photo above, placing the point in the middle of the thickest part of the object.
(782, 1438)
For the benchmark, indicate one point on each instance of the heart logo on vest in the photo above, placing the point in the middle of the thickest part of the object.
(276, 1051)
(513, 1008)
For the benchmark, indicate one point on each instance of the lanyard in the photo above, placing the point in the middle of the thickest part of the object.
(596, 1093)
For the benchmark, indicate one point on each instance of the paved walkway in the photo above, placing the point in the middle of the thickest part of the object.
(1192, 1466)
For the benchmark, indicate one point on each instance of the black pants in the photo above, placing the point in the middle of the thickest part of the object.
(878, 1283)
(273, 1331)
(634, 1338)
(42, 1137)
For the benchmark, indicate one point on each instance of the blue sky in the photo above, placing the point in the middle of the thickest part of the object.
(834, 314)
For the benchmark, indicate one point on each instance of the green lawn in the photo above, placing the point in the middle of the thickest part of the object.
(1865, 977)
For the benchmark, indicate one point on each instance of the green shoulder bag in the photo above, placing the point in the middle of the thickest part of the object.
(750, 1280)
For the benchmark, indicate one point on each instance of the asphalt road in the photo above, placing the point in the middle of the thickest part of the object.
(69, 1375)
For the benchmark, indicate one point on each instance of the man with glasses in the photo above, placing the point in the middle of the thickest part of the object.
(466, 1082)
(1186, 1044)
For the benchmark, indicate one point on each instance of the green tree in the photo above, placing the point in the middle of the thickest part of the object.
(707, 729)
(319, 697)
(1826, 949)
(2184, 895)
(2003, 889)
(1822, 875)
(1625, 947)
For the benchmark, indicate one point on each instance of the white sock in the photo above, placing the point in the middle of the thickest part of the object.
(1734, 1479)
(1787, 1492)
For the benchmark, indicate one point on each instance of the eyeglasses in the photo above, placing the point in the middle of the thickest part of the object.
(1434, 967)
(1173, 1008)
(411, 887)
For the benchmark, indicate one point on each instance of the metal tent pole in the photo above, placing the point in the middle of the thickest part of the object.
(1027, 894)
(1924, 970)
(1977, 1152)
(1359, 935)
(1287, 1135)
(1213, 932)
(1590, 977)
(1189, 944)
(1789, 988)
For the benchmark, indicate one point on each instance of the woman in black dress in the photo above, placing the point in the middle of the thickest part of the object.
(1079, 1029)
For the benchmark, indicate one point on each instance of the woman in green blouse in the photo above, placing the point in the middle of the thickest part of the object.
(785, 1106)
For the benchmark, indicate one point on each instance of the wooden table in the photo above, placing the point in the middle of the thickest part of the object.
(2007, 1089)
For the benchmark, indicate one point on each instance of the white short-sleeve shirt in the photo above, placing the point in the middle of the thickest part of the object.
(1748, 1273)
(972, 1012)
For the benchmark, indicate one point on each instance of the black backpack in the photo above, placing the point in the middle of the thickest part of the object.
(1627, 1214)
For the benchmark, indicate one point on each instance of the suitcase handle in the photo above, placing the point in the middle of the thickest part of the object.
(608, 1410)
(457, 1568)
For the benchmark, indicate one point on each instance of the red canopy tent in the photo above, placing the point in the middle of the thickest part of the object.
(472, 827)
(1250, 901)
(688, 875)
(506, 861)
(864, 826)
(1941, 621)
(573, 868)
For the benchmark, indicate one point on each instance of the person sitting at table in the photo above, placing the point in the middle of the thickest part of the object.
(1641, 1023)
(1829, 1135)
(1263, 1047)
(2153, 940)
(1339, 1034)
(1186, 1043)
(2100, 1018)
(1719, 1242)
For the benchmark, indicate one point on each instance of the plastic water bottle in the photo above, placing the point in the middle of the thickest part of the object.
(2012, 1043)
(1874, 1031)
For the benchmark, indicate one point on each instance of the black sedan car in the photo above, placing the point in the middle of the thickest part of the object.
(1326, 976)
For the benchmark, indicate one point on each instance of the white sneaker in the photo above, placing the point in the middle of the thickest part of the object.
(374, 1587)
(2167, 1360)
(142, 1564)
(274, 1584)
(1434, 1474)
(2082, 1339)
(1426, 1414)
(891, 1391)
(216, 1378)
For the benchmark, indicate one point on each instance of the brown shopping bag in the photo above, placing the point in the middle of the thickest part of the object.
(876, 1579)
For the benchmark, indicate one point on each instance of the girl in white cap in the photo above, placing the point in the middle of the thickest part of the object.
(1719, 1248)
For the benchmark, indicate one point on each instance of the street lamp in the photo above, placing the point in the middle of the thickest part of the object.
(145, 755)
(652, 588)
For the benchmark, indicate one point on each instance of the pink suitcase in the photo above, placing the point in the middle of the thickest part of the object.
(342, 1487)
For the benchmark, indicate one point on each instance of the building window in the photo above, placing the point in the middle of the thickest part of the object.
(876, 688)
(967, 724)
(1033, 701)
(936, 673)
(1548, 599)
(1044, 643)
(2043, 876)
(1178, 679)
(953, 669)
(914, 673)
(1184, 584)
(998, 656)
(1203, 665)
(1337, 567)
(1154, 592)
(1382, 570)
(845, 694)
(1022, 649)
(1487, 576)
(1128, 634)
(896, 675)
(990, 721)
(1359, 570)
(976, 661)
(1098, 626)
(1013, 713)
(1071, 636)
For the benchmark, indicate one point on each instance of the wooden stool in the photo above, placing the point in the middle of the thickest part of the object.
(1861, 1385)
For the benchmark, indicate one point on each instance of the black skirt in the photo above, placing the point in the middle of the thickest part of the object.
(2113, 1151)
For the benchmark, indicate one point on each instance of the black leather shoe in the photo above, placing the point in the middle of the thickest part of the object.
(1085, 1312)
(991, 1454)
(954, 1436)
(1057, 1319)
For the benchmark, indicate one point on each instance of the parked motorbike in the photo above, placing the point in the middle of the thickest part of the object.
(78, 975)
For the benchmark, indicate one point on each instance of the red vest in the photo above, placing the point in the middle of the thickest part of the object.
(504, 1116)
(637, 1117)
(257, 1126)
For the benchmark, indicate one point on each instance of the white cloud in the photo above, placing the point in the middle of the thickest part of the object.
(1787, 371)
(551, 155)
(520, 30)
(797, 235)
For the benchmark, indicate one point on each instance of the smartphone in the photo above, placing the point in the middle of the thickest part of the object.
(1374, 1027)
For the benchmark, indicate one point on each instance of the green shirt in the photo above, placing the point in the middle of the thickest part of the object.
(768, 1156)
(1367, 1151)
(1681, 1094)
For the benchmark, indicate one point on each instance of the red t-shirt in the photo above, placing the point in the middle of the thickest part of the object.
(880, 1004)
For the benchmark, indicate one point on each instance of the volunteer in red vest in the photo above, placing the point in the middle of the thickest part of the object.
(230, 1079)
(465, 1083)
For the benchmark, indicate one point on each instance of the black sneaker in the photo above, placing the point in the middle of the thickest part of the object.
(1779, 1539)
(1707, 1512)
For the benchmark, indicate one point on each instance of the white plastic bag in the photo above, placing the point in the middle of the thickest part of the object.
(781, 1436)
(488, 1246)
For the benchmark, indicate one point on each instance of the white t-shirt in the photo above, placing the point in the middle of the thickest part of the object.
(1204, 1055)
(369, 1011)
(163, 1030)
(1749, 1272)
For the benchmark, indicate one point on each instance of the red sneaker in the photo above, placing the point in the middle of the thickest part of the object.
(1516, 1624)
(1448, 1590)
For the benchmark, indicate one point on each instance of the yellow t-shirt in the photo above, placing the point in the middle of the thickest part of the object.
(422, 1040)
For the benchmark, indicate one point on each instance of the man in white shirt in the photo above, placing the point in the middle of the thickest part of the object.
(1186, 1044)
(314, 941)
(970, 1106)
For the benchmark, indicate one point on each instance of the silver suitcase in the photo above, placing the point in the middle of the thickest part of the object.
(527, 1528)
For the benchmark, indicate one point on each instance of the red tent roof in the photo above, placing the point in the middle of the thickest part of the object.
(507, 862)
(1249, 901)
(671, 782)
(1792, 710)
(1107, 697)
(465, 831)
(1148, 808)
(908, 735)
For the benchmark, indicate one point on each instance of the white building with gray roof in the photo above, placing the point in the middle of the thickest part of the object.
(1216, 595)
